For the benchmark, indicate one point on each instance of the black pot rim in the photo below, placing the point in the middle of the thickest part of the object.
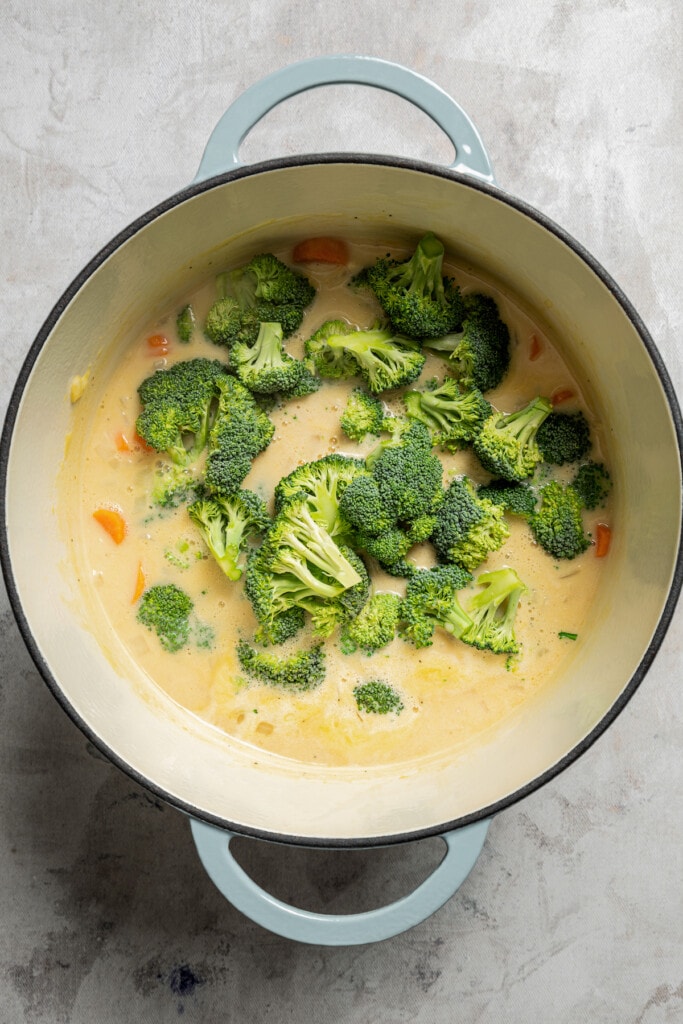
(5, 443)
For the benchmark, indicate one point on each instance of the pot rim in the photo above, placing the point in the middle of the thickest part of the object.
(189, 192)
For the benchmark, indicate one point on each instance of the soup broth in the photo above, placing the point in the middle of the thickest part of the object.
(452, 693)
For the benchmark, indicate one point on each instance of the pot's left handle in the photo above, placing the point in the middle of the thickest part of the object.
(222, 150)
(463, 846)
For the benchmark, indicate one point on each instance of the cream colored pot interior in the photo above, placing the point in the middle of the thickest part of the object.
(189, 761)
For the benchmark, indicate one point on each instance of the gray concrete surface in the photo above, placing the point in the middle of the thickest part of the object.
(573, 912)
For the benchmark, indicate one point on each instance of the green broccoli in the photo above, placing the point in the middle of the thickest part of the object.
(185, 322)
(493, 612)
(333, 363)
(240, 431)
(377, 698)
(408, 475)
(264, 367)
(374, 626)
(383, 359)
(558, 523)
(265, 290)
(388, 548)
(301, 671)
(452, 414)
(300, 565)
(592, 483)
(323, 482)
(563, 437)
(179, 408)
(226, 523)
(227, 323)
(166, 610)
(267, 279)
(517, 498)
(468, 528)
(480, 354)
(173, 485)
(363, 415)
(419, 301)
(506, 444)
(361, 506)
(432, 600)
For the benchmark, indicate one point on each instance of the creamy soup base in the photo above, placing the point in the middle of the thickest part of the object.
(451, 692)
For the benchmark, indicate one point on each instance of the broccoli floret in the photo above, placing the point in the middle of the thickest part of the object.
(417, 298)
(558, 523)
(468, 529)
(330, 591)
(383, 359)
(564, 437)
(396, 427)
(185, 322)
(402, 568)
(493, 612)
(516, 498)
(301, 671)
(166, 610)
(362, 507)
(268, 279)
(300, 565)
(173, 486)
(480, 354)
(179, 407)
(226, 523)
(408, 475)
(323, 482)
(265, 290)
(239, 433)
(452, 414)
(296, 543)
(375, 625)
(377, 698)
(388, 547)
(333, 363)
(592, 483)
(363, 415)
(432, 600)
(227, 323)
(264, 367)
(506, 444)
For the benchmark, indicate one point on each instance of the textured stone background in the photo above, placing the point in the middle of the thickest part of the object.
(573, 912)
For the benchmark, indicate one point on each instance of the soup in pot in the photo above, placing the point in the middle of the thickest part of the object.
(446, 693)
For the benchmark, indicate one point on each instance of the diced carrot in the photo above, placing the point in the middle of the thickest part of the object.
(535, 348)
(111, 521)
(560, 396)
(139, 584)
(321, 250)
(158, 344)
(603, 539)
(122, 443)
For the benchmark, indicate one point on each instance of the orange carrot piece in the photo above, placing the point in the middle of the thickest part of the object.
(158, 344)
(140, 582)
(603, 539)
(535, 348)
(111, 521)
(321, 250)
(122, 443)
(560, 396)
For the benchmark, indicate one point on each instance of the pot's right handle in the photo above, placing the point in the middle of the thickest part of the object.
(463, 846)
(222, 150)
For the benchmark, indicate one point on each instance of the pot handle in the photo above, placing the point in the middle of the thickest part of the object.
(222, 150)
(463, 846)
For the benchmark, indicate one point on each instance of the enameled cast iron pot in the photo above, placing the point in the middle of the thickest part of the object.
(228, 213)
